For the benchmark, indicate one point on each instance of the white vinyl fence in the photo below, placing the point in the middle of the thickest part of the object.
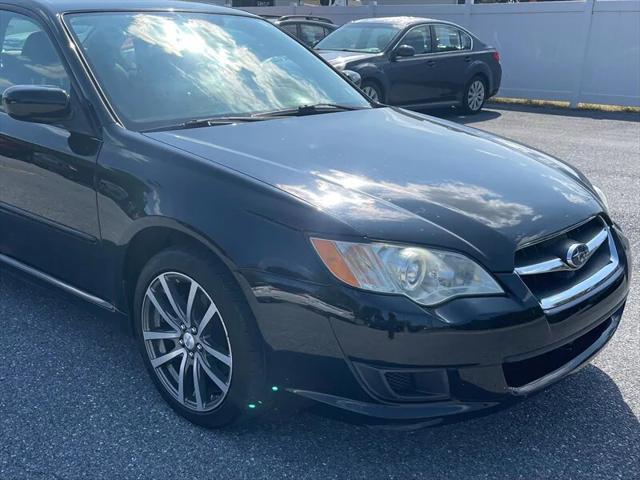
(575, 51)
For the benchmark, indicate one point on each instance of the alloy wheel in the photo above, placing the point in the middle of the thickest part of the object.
(475, 95)
(371, 92)
(187, 341)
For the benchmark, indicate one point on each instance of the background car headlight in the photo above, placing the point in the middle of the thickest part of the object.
(602, 196)
(427, 276)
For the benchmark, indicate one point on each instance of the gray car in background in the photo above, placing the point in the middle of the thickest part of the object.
(416, 62)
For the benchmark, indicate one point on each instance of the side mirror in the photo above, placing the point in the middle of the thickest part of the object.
(38, 104)
(355, 77)
(404, 51)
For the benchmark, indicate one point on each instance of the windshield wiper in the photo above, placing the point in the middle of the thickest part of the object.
(258, 117)
(208, 122)
(303, 110)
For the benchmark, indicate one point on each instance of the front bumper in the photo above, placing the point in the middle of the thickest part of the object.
(435, 412)
(382, 358)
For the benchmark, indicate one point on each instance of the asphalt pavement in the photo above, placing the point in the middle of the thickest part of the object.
(76, 402)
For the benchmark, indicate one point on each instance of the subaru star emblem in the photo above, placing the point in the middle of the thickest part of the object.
(577, 255)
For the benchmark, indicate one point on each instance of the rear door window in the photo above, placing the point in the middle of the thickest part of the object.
(290, 28)
(447, 38)
(311, 34)
(466, 41)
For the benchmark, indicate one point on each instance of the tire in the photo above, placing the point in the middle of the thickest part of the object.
(372, 90)
(209, 322)
(474, 96)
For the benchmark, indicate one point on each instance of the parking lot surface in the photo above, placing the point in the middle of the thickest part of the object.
(76, 402)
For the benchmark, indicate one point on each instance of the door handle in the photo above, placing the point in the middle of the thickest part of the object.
(431, 63)
(467, 59)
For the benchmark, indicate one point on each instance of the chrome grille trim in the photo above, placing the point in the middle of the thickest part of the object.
(589, 284)
(557, 264)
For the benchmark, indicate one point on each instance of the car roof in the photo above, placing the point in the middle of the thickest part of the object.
(398, 21)
(296, 21)
(55, 7)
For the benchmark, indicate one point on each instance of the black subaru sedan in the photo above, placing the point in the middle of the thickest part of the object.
(416, 62)
(185, 167)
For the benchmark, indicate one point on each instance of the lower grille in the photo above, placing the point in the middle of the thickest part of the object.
(401, 383)
(523, 372)
(405, 385)
(555, 277)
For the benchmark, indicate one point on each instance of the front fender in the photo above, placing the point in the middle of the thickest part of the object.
(371, 71)
(161, 188)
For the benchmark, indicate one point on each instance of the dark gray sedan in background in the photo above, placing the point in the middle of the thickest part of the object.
(416, 62)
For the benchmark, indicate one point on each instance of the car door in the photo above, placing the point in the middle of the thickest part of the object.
(414, 80)
(48, 213)
(452, 54)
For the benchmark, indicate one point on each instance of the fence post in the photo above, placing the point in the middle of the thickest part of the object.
(589, 5)
(468, 5)
(373, 6)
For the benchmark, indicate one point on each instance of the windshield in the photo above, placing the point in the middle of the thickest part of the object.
(164, 69)
(360, 37)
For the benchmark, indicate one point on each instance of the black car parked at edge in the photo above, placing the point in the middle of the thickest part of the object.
(416, 62)
(416, 271)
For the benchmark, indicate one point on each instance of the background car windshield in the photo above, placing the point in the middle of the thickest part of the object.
(162, 69)
(360, 37)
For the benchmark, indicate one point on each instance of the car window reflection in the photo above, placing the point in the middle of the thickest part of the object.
(159, 69)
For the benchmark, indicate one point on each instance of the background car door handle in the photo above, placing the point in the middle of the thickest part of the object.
(467, 59)
(431, 63)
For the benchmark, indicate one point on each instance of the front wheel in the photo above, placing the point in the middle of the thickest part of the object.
(373, 91)
(474, 96)
(198, 339)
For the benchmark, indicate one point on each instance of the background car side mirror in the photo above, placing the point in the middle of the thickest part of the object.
(404, 51)
(355, 77)
(38, 104)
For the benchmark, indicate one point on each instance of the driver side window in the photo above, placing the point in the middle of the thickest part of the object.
(28, 56)
(419, 38)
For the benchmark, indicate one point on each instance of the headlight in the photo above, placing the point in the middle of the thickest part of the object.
(602, 196)
(427, 276)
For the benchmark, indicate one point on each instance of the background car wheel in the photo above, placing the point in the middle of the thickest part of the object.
(475, 94)
(373, 91)
(198, 338)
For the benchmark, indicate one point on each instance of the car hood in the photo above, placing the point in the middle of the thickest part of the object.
(338, 58)
(394, 175)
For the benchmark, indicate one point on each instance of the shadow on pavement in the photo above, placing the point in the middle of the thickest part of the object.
(580, 426)
(567, 112)
(75, 396)
(492, 111)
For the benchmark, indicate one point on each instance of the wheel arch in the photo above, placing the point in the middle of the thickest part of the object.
(154, 235)
(375, 80)
(372, 73)
(479, 69)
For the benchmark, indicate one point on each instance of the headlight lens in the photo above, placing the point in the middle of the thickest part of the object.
(602, 196)
(427, 276)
